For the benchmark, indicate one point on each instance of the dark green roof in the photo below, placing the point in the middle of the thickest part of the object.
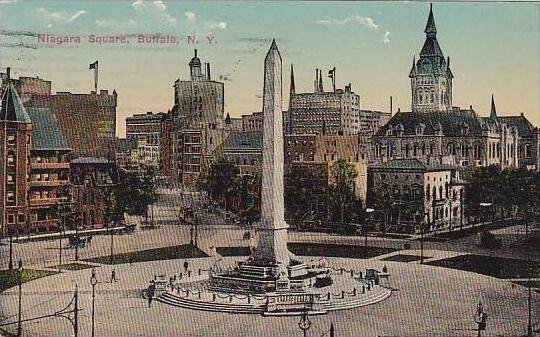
(243, 141)
(406, 164)
(47, 134)
(11, 107)
(413, 164)
(450, 122)
(522, 124)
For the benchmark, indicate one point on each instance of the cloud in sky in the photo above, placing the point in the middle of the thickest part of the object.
(217, 25)
(138, 5)
(386, 38)
(190, 16)
(157, 10)
(57, 18)
(355, 20)
(159, 5)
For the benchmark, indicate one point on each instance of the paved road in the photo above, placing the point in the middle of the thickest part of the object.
(429, 301)
(216, 231)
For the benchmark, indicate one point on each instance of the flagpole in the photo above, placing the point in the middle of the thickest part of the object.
(96, 77)
(334, 79)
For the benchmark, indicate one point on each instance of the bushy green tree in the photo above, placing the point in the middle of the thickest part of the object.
(342, 194)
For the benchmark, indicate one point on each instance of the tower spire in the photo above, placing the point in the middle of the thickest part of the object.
(493, 113)
(412, 73)
(320, 82)
(293, 89)
(430, 26)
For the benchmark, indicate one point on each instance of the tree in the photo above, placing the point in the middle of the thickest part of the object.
(148, 189)
(342, 191)
(220, 181)
(301, 190)
(66, 210)
(133, 193)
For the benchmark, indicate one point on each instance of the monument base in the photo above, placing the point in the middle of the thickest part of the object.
(250, 277)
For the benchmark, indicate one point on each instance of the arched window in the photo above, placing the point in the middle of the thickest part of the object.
(428, 194)
(528, 151)
(407, 150)
(477, 150)
(434, 193)
(440, 192)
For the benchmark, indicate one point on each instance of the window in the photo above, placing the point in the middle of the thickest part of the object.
(11, 219)
(21, 218)
(528, 151)
(10, 196)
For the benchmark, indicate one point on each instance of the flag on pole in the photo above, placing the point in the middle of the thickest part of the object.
(331, 73)
(95, 67)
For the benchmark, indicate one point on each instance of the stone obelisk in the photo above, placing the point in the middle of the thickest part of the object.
(271, 248)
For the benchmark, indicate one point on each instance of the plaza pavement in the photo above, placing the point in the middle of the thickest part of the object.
(428, 301)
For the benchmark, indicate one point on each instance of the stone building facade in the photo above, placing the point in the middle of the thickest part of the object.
(409, 196)
(436, 132)
(197, 122)
(336, 112)
(148, 130)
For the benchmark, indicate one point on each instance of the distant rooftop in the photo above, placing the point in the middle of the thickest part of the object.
(47, 134)
(242, 140)
(90, 160)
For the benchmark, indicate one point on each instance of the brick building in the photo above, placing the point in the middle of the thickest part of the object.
(49, 171)
(35, 164)
(15, 146)
(92, 179)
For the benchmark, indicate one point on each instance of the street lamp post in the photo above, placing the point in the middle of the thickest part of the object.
(19, 323)
(304, 324)
(422, 237)
(529, 293)
(369, 211)
(10, 263)
(93, 282)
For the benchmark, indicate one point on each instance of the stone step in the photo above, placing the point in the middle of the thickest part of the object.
(209, 306)
(372, 298)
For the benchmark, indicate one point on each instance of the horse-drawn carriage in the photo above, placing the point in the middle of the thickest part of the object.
(81, 242)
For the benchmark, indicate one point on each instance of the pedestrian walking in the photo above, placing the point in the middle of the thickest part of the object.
(150, 293)
(186, 265)
(113, 276)
(385, 269)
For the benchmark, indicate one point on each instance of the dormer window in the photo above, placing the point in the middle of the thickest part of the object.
(464, 129)
(399, 129)
(420, 129)
(390, 131)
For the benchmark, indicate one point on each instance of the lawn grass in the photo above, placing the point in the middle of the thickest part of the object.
(233, 251)
(499, 267)
(165, 253)
(404, 258)
(534, 284)
(74, 266)
(334, 250)
(10, 278)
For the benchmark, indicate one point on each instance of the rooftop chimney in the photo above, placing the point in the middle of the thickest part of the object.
(208, 71)
(8, 72)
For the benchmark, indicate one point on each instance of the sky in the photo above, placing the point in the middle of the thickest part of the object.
(494, 48)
